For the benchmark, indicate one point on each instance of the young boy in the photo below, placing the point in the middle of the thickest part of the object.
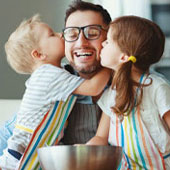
(34, 48)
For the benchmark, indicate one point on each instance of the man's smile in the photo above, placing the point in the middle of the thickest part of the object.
(83, 54)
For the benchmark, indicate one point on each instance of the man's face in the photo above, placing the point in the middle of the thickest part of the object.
(83, 54)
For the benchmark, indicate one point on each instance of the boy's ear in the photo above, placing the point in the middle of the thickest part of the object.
(36, 55)
(124, 58)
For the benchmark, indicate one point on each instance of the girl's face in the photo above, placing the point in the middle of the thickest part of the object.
(110, 53)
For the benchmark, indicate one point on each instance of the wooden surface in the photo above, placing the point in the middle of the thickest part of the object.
(80, 157)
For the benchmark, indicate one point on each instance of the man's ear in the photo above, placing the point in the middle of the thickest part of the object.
(124, 58)
(36, 55)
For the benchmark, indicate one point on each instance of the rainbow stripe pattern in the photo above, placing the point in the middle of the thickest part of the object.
(48, 133)
(140, 152)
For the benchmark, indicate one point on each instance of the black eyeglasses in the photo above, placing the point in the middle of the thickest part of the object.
(91, 32)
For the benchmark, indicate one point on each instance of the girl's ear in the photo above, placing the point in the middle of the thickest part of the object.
(36, 55)
(124, 58)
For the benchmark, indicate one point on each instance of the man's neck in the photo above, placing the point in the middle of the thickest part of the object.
(87, 75)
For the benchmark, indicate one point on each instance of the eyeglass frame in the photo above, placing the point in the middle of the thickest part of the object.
(82, 28)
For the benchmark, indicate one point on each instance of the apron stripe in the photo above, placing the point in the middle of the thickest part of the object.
(129, 165)
(143, 140)
(117, 131)
(123, 165)
(121, 142)
(24, 128)
(155, 155)
(137, 139)
(117, 137)
(163, 163)
(166, 156)
(36, 130)
(42, 142)
(63, 115)
(132, 142)
(36, 143)
(44, 133)
(58, 110)
(122, 137)
(126, 136)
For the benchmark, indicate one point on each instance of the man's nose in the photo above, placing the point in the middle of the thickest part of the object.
(82, 39)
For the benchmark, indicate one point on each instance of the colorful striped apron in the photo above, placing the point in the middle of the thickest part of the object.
(140, 152)
(48, 133)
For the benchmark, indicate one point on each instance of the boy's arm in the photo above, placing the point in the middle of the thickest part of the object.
(95, 85)
(101, 137)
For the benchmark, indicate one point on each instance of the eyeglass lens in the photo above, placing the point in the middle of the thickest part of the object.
(90, 32)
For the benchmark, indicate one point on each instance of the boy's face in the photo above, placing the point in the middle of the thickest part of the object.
(83, 54)
(50, 44)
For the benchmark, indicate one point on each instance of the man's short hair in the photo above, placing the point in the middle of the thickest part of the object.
(84, 6)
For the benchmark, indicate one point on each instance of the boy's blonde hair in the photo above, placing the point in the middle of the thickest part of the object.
(20, 45)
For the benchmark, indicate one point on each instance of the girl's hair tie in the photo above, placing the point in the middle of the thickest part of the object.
(132, 58)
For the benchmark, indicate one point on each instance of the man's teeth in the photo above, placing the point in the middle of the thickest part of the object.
(83, 54)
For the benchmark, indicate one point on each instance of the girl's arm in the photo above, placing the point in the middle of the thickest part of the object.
(166, 117)
(95, 85)
(101, 137)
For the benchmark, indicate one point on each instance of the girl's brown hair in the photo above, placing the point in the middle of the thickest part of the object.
(143, 39)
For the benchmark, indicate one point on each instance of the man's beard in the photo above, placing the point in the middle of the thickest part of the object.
(86, 69)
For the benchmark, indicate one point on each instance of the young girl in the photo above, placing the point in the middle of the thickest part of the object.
(137, 105)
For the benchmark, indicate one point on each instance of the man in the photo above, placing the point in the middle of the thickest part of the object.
(82, 51)
(85, 29)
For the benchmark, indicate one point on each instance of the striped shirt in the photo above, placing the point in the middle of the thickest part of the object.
(45, 86)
